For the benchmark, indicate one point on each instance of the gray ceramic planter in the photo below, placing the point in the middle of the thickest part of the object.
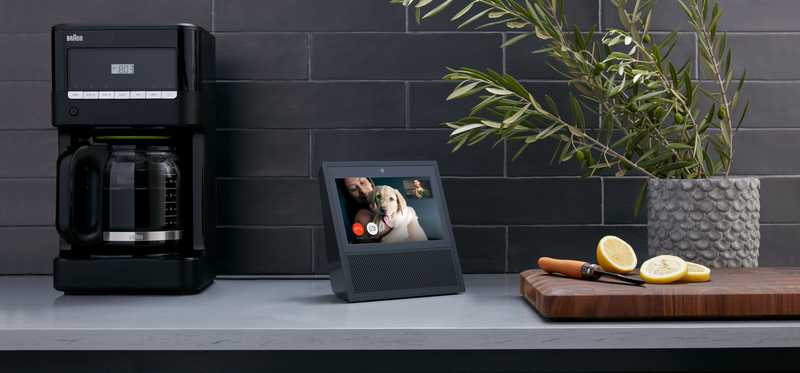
(714, 222)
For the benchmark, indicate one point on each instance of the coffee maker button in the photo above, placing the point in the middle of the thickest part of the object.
(169, 94)
(153, 94)
(122, 95)
(73, 111)
(106, 95)
(75, 95)
(90, 95)
(138, 95)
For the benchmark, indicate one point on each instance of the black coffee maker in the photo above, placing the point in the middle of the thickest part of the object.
(136, 188)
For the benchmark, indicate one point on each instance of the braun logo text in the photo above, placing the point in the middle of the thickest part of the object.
(74, 37)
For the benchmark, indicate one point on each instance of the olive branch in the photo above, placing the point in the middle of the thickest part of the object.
(656, 119)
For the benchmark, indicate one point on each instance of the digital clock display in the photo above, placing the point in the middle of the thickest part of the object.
(122, 69)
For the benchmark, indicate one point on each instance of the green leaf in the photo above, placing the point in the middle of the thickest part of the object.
(551, 105)
(577, 113)
(650, 95)
(465, 128)
(672, 166)
(474, 18)
(540, 34)
(514, 118)
(492, 124)
(437, 9)
(678, 146)
(487, 100)
(744, 114)
(498, 91)
(520, 151)
(462, 91)
(463, 11)
(497, 14)
(515, 39)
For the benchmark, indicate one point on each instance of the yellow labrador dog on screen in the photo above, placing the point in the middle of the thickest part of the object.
(396, 217)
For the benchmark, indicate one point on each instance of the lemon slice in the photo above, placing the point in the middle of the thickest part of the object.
(697, 273)
(663, 269)
(615, 255)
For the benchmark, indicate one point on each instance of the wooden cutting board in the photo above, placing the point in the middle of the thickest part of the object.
(732, 293)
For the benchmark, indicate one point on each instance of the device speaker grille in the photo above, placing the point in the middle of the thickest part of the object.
(398, 271)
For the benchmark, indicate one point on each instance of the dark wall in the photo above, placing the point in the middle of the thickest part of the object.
(303, 81)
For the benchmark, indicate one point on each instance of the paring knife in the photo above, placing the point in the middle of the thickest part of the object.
(581, 270)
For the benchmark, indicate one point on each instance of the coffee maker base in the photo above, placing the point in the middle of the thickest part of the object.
(132, 275)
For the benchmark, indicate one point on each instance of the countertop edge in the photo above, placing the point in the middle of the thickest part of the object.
(399, 339)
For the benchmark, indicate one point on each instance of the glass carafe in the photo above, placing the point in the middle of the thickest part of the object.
(142, 197)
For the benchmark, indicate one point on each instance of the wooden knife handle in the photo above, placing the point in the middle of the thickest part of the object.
(571, 268)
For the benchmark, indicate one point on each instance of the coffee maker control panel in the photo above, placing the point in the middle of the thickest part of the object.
(116, 75)
(122, 95)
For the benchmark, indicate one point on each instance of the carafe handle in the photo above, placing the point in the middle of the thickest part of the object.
(79, 211)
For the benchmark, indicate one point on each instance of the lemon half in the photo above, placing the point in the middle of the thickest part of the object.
(615, 255)
(697, 273)
(663, 269)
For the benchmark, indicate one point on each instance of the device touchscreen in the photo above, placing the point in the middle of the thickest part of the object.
(389, 209)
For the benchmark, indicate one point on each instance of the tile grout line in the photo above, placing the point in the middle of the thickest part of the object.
(313, 252)
(310, 154)
(213, 16)
(504, 38)
(405, 14)
(309, 36)
(602, 201)
(407, 104)
(599, 16)
(506, 260)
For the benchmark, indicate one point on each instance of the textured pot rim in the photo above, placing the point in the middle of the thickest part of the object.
(748, 179)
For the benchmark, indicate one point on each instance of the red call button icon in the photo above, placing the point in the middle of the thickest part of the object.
(358, 229)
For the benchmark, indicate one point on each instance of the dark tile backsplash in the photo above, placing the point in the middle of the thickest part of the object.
(269, 201)
(38, 163)
(265, 250)
(498, 201)
(371, 145)
(30, 59)
(262, 56)
(34, 16)
(27, 202)
(393, 56)
(306, 16)
(302, 81)
(765, 56)
(256, 104)
(245, 153)
(25, 105)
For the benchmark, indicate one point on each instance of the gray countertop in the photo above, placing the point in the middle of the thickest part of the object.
(272, 314)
